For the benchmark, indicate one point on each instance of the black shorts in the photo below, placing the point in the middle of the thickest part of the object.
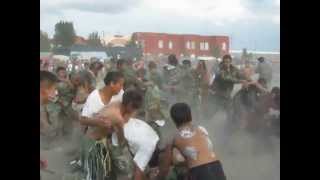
(210, 171)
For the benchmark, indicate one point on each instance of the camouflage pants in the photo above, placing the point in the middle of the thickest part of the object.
(104, 161)
(95, 159)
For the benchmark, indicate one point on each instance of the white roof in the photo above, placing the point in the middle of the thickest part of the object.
(60, 57)
(206, 58)
(89, 55)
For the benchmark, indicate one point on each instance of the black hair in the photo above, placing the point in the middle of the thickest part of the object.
(186, 61)
(112, 76)
(132, 97)
(60, 68)
(180, 113)
(261, 59)
(172, 60)
(275, 90)
(152, 65)
(227, 56)
(48, 77)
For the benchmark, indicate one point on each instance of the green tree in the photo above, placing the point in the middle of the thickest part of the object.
(94, 39)
(44, 42)
(64, 34)
(216, 51)
(132, 43)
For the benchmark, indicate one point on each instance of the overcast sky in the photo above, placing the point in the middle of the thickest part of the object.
(254, 24)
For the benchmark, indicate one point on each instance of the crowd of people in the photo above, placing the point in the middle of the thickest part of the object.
(117, 113)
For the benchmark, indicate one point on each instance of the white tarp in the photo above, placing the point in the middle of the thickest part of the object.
(88, 55)
(206, 58)
(60, 57)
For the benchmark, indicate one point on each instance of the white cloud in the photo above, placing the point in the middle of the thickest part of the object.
(240, 17)
(223, 11)
(276, 19)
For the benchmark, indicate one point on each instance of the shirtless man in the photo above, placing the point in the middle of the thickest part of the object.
(194, 145)
(140, 137)
(97, 100)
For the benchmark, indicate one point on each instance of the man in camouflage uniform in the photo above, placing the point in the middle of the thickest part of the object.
(189, 91)
(154, 75)
(223, 84)
(128, 72)
(94, 70)
(172, 78)
(155, 109)
(61, 111)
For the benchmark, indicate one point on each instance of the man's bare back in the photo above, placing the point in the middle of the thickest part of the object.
(111, 114)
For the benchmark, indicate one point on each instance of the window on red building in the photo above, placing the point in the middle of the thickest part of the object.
(201, 45)
(170, 45)
(193, 45)
(206, 46)
(224, 46)
(188, 46)
(160, 44)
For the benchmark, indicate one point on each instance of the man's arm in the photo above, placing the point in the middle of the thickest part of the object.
(165, 164)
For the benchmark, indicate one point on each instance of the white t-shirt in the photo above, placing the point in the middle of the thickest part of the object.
(94, 103)
(142, 140)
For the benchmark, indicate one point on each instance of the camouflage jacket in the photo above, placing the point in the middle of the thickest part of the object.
(156, 78)
(172, 75)
(225, 80)
(66, 94)
(154, 106)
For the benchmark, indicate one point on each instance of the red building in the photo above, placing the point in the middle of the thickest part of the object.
(181, 45)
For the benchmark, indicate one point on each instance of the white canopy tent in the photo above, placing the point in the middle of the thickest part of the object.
(88, 55)
(60, 57)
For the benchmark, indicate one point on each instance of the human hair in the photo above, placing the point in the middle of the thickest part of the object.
(60, 68)
(261, 59)
(172, 60)
(275, 90)
(48, 78)
(133, 98)
(112, 76)
(180, 114)
(186, 62)
(227, 56)
(152, 65)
